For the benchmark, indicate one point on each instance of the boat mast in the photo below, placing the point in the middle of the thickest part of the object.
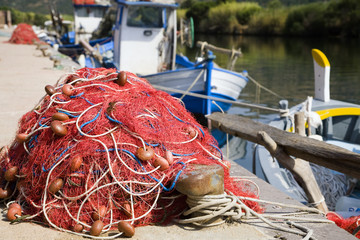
(322, 75)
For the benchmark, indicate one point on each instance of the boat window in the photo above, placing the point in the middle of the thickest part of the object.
(145, 17)
(355, 136)
(343, 127)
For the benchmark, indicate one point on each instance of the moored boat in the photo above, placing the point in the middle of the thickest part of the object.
(144, 42)
(88, 17)
(332, 121)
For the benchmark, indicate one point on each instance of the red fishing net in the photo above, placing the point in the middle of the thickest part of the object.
(83, 2)
(105, 146)
(23, 34)
(350, 224)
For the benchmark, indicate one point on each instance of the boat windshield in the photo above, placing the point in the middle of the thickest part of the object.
(145, 17)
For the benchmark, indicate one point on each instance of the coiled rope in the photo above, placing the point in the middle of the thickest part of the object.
(212, 210)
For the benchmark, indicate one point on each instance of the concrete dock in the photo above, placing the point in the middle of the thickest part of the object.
(23, 74)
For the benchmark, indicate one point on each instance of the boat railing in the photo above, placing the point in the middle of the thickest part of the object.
(209, 57)
(233, 54)
(234, 103)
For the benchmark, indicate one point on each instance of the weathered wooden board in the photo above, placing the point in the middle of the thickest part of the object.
(309, 149)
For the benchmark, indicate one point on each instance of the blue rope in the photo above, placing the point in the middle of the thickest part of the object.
(79, 95)
(32, 139)
(146, 93)
(183, 155)
(157, 180)
(152, 126)
(88, 73)
(112, 119)
(69, 114)
(133, 155)
(124, 150)
(87, 101)
(218, 150)
(46, 170)
(178, 154)
(175, 180)
(92, 120)
(153, 145)
(175, 116)
(40, 124)
(75, 96)
(61, 100)
(33, 171)
(200, 130)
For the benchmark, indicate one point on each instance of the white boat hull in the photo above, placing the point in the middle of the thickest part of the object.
(223, 84)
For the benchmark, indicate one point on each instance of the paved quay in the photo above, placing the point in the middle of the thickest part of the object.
(23, 74)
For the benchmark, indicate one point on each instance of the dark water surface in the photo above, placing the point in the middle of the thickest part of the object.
(285, 66)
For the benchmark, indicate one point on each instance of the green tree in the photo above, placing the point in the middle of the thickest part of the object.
(187, 3)
(224, 1)
(343, 18)
(307, 20)
(273, 4)
(199, 12)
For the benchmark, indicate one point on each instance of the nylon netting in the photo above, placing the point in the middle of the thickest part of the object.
(349, 224)
(105, 126)
(24, 34)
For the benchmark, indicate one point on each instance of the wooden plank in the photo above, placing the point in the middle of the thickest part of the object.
(300, 169)
(309, 149)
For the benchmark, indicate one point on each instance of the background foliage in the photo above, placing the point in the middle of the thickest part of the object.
(38, 6)
(276, 17)
(256, 17)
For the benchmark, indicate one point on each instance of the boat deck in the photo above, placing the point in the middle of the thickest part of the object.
(24, 72)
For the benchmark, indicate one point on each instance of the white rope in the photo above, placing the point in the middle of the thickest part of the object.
(192, 84)
(235, 103)
(304, 208)
(263, 87)
(212, 210)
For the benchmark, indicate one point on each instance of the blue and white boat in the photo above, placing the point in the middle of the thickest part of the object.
(144, 42)
(88, 16)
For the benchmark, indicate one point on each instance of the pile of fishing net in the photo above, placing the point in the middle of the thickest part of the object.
(350, 224)
(104, 149)
(24, 34)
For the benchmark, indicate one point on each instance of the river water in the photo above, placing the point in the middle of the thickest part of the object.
(285, 66)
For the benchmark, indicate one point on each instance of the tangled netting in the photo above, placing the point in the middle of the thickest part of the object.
(351, 224)
(24, 34)
(82, 154)
(85, 2)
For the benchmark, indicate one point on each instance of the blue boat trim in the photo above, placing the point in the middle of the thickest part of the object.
(92, 43)
(183, 61)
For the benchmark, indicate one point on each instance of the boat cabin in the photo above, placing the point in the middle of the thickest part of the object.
(87, 16)
(145, 36)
